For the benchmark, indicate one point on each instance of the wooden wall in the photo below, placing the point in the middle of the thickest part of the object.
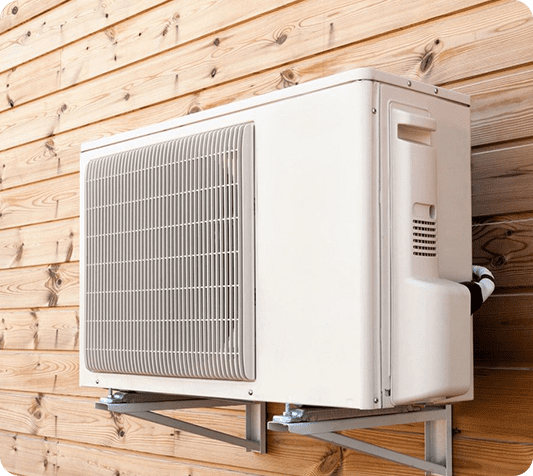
(72, 71)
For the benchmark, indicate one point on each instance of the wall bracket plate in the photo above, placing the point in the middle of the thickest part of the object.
(323, 424)
(143, 405)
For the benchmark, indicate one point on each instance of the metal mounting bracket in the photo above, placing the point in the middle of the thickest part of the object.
(143, 405)
(322, 424)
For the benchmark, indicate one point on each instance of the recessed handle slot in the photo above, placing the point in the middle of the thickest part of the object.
(414, 127)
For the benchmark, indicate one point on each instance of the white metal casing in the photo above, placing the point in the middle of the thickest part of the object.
(333, 325)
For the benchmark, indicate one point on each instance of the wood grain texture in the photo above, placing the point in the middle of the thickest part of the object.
(41, 286)
(503, 332)
(22, 84)
(252, 47)
(502, 409)
(502, 105)
(45, 372)
(155, 31)
(51, 200)
(504, 245)
(43, 159)
(481, 457)
(502, 179)
(54, 242)
(39, 329)
(20, 11)
(62, 25)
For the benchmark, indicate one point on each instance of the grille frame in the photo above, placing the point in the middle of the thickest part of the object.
(226, 368)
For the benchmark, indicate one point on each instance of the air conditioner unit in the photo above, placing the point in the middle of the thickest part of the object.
(302, 246)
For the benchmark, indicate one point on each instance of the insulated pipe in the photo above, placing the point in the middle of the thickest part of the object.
(481, 289)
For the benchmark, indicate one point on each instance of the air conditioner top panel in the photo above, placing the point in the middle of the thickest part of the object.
(361, 74)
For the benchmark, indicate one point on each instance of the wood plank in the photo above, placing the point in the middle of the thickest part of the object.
(40, 286)
(33, 456)
(53, 242)
(124, 43)
(112, 49)
(502, 105)
(51, 200)
(20, 11)
(242, 51)
(481, 457)
(502, 408)
(503, 332)
(504, 245)
(76, 420)
(62, 25)
(502, 179)
(44, 372)
(39, 329)
(30, 81)
(159, 30)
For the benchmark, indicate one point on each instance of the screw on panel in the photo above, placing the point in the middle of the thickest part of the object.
(97, 382)
(250, 392)
(376, 400)
(374, 110)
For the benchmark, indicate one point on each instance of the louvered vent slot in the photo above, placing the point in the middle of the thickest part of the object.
(169, 258)
(424, 238)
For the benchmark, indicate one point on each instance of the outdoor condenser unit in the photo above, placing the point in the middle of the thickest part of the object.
(302, 246)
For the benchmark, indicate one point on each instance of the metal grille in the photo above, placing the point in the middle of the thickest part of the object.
(424, 238)
(169, 256)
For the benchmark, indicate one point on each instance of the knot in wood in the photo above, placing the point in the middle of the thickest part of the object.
(426, 62)
(498, 262)
(213, 72)
(15, 10)
(216, 42)
(281, 39)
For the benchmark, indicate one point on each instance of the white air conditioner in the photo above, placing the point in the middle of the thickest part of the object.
(302, 246)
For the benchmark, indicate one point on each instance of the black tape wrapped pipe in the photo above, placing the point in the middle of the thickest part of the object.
(480, 289)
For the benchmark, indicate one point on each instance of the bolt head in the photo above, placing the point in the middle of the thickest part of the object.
(376, 400)
(250, 392)
(436, 90)
(409, 83)
(374, 111)
(97, 381)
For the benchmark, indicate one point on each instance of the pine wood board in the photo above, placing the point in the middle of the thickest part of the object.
(30, 81)
(40, 286)
(62, 25)
(53, 242)
(39, 329)
(50, 200)
(502, 105)
(44, 372)
(481, 457)
(157, 30)
(146, 34)
(251, 47)
(24, 11)
(502, 178)
(503, 245)
(503, 332)
(502, 409)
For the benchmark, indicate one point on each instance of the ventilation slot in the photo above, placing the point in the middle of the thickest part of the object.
(168, 241)
(424, 238)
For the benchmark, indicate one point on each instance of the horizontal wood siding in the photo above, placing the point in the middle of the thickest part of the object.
(78, 70)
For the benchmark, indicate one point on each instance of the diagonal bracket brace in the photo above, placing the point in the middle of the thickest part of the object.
(144, 406)
(438, 434)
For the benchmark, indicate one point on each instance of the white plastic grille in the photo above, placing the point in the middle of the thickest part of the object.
(424, 238)
(168, 253)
